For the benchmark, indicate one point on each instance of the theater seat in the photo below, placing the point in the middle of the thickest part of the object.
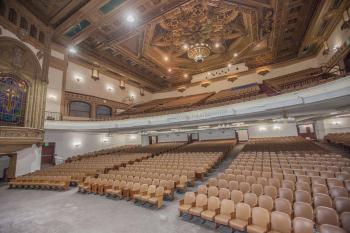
(283, 205)
(251, 199)
(143, 191)
(325, 215)
(212, 210)
(157, 197)
(202, 189)
(338, 192)
(322, 200)
(326, 228)
(265, 202)
(260, 221)
(200, 205)
(342, 204)
(303, 210)
(213, 191)
(270, 191)
(227, 210)
(236, 196)
(187, 202)
(345, 221)
(257, 189)
(280, 223)
(303, 225)
(242, 217)
(224, 193)
(286, 194)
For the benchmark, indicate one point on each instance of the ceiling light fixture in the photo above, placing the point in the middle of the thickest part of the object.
(72, 50)
(235, 54)
(169, 70)
(166, 58)
(185, 75)
(130, 18)
(198, 52)
(217, 45)
(185, 46)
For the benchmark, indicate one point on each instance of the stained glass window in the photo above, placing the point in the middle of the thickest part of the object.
(13, 96)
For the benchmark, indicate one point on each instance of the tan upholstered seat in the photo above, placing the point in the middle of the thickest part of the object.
(326, 228)
(322, 200)
(202, 189)
(224, 193)
(325, 215)
(236, 196)
(242, 217)
(303, 210)
(283, 205)
(244, 187)
(143, 191)
(265, 202)
(303, 225)
(251, 199)
(212, 182)
(260, 221)
(319, 188)
(187, 203)
(280, 223)
(135, 190)
(338, 191)
(212, 210)
(200, 205)
(157, 197)
(222, 184)
(286, 194)
(233, 185)
(270, 191)
(213, 191)
(227, 210)
(345, 221)
(342, 204)
(257, 189)
(303, 196)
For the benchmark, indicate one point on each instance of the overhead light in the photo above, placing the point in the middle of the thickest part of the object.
(95, 74)
(77, 144)
(142, 91)
(185, 46)
(166, 58)
(132, 137)
(262, 128)
(78, 78)
(235, 54)
(105, 140)
(72, 50)
(336, 122)
(276, 127)
(229, 65)
(185, 75)
(217, 45)
(181, 89)
(169, 70)
(109, 89)
(198, 52)
(130, 18)
(53, 97)
(122, 84)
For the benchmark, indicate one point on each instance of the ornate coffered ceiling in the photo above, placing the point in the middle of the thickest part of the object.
(153, 49)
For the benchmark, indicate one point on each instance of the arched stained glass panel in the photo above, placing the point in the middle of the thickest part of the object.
(13, 97)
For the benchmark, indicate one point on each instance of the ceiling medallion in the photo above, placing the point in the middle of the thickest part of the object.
(198, 52)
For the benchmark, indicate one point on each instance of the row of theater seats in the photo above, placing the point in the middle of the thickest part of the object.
(43, 182)
(292, 143)
(242, 217)
(222, 146)
(153, 191)
(339, 139)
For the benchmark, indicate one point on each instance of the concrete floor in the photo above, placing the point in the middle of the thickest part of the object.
(44, 211)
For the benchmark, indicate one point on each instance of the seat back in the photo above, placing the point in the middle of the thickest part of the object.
(270, 191)
(345, 221)
(136, 187)
(304, 210)
(326, 228)
(286, 193)
(303, 225)
(257, 189)
(322, 200)
(325, 215)
(227, 207)
(212, 182)
(342, 204)
(303, 196)
(265, 202)
(260, 217)
(281, 222)
(233, 185)
(202, 189)
(283, 205)
(244, 187)
(319, 188)
(243, 211)
(213, 203)
(213, 191)
(224, 193)
(189, 198)
(143, 188)
(251, 199)
(201, 200)
(236, 196)
(338, 191)
(159, 191)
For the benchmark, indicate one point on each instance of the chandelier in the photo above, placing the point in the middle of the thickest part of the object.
(198, 52)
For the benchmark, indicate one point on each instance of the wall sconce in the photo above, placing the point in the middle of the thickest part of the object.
(95, 74)
(276, 127)
(142, 91)
(325, 48)
(110, 89)
(263, 71)
(76, 145)
(105, 140)
(262, 128)
(122, 84)
(205, 83)
(132, 137)
(336, 122)
(346, 24)
(52, 97)
(232, 78)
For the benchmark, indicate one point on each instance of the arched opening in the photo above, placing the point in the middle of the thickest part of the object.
(23, 24)
(33, 31)
(103, 111)
(79, 109)
(347, 63)
(13, 98)
(42, 37)
(13, 16)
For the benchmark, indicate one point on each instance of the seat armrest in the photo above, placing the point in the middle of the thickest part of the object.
(182, 201)
(217, 211)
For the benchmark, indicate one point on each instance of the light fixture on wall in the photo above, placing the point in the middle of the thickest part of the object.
(181, 89)
(262, 128)
(142, 91)
(78, 78)
(276, 127)
(72, 50)
(205, 83)
(232, 78)
(122, 84)
(95, 74)
(109, 88)
(77, 144)
(52, 97)
(263, 71)
(336, 122)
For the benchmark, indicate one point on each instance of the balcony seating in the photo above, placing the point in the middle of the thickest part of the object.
(339, 139)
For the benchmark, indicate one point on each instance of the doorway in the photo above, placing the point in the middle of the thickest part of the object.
(7, 167)
(306, 131)
(242, 135)
(48, 153)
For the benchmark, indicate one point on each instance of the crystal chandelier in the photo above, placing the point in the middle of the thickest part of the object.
(198, 52)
